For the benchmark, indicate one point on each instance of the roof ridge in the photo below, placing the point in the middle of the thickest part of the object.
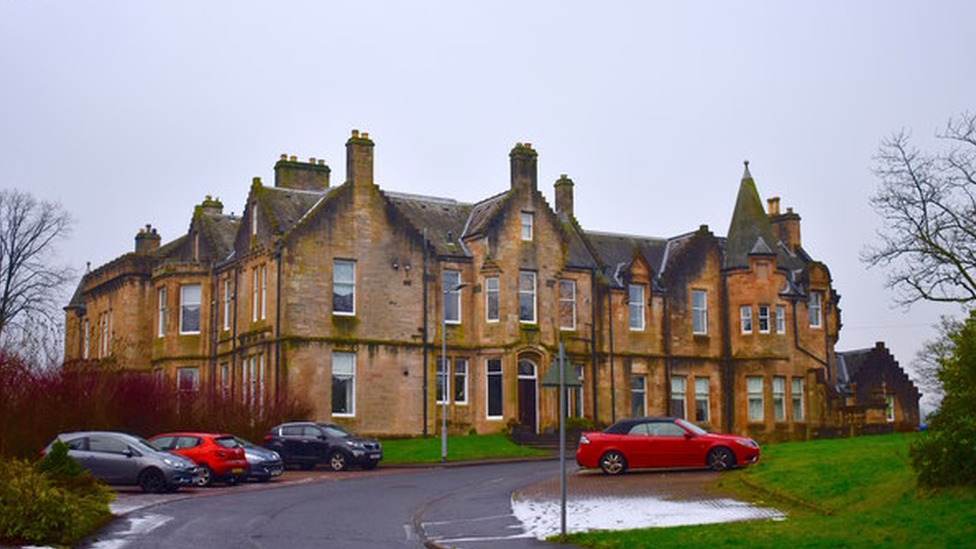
(412, 196)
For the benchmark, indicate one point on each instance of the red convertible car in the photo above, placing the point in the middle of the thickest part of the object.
(662, 442)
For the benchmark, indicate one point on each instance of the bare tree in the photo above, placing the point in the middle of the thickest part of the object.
(31, 282)
(928, 203)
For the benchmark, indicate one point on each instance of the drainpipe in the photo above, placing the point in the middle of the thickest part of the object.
(277, 349)
(424, 251)
(613, 391)
(233, 350)
(214, 306)
(796, 339)
(593, 317)
(667, 356)
(727, 356)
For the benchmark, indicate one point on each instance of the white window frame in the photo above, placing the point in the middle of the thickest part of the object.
(255, 285)
(460, 373)
(528, 219)
(264, 292)
(814, 309)
(753, 394)
(638, 394)
(699, 312)
(796, 398)
(501, 387)
(343, 283)
(745, 319)
(351, 377)
(161, 312)
(533, 292)
(226, 304)
(194, 373)
(451, 292)
(442, 377)
(569, 301)
(679, 386)
(492, 292)
(890, 408)
(86, 341)
(184, 304)
(779, 399)
(574, 396)
(780, 319)
(254, 219)
(637, 302)
(702, 394)
(763, 319)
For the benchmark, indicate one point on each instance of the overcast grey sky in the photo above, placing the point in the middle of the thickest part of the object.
(130, 112)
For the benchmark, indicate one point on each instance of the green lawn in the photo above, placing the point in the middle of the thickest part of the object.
(428, 450)
(865, 483)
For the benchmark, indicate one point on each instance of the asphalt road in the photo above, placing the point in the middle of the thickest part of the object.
(463, 507)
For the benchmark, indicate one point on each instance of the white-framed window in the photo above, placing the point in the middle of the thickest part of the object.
(780, 319)
(190, 309)
(343, 384)
(638, 396)
(699, 312)
(779, 398)
(493, 388)
(161, 313)
(890, 408)
(567, 304)
(745, 319)
(764, 319)
(86, 341)
(702, 414)
(754, 392)
(264, 292)
(255, 287)
(635, 301)
(460, 381)
(227, 304)
(527, 218)
(443, 374)
(526, 294)
(452, 296)
(187, 380)
(492, 299)
(796, 395)
(343, 287)
(813, 308)
(254, 219)
(574, 395)
(678, 396)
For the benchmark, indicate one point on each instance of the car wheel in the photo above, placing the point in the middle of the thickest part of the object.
(205, 477)
(369, 465)
(152, 481)
(720, 459)
(613, 463)
(337, 462)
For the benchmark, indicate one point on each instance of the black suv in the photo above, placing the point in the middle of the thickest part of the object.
(307, 444)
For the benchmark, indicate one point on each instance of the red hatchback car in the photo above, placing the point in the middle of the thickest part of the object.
(662, 442)
(219, 456)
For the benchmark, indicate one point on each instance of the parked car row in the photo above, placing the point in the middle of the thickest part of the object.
(169, 461)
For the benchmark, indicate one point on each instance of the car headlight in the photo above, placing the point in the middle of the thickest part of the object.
(584, 440)
(354, 444)
(173, 463)
(748, 443)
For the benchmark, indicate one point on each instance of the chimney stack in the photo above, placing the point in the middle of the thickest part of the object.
(210, 206)
(359, 159)
(147, 240)
(313, 175)
(786, 226)
(524, 160)
(564, 195)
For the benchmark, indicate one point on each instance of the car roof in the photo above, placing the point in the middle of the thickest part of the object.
(191, 434)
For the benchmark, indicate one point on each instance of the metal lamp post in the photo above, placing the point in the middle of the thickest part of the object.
(446, 365)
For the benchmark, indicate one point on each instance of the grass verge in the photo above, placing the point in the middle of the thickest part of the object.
(849, 493)
(459, 448)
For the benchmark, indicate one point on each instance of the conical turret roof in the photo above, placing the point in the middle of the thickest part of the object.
(749, 224)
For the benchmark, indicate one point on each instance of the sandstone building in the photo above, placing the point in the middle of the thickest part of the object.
(320, 290)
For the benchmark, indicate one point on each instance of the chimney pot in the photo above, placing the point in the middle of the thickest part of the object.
(355, 133)
(311, 160)
(284, 157)
(365, 135)
(293, 158)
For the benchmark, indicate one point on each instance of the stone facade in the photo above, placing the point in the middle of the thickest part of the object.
(339, 295)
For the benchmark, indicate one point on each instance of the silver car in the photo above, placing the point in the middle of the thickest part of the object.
(118, 458)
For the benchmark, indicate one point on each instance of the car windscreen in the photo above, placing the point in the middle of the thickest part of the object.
(142, 445)
(691, 427)
(227, 442)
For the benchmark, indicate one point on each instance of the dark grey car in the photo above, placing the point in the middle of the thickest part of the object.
(262, 464)
(118, 458)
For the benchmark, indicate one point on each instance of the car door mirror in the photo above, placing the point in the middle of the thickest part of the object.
(128, 452)
(322, 437)
(689, 436)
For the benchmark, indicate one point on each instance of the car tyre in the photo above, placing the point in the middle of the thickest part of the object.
(338, 461)
(204, 478)
(152, 481)
(613, 463)
(720, 459)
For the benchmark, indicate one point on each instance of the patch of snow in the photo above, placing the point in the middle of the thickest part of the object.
(541, 518)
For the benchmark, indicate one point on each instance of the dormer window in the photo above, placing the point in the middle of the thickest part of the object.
(527, 225)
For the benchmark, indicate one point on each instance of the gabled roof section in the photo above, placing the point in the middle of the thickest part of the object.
(749, 223)
(483, 212)
(761, 248)
(616, 251)
(443, 218)
(285, 207)
(219, 230)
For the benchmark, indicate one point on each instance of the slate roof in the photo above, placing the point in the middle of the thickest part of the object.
(219, 230)
(285, 207)
(749, 224)
(444, 219)
(617, 251)
(482, 212)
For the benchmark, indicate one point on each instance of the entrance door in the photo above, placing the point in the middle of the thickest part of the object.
(527, 401)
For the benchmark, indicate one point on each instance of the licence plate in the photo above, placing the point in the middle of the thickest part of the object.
(376, 455)
(237, 470)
